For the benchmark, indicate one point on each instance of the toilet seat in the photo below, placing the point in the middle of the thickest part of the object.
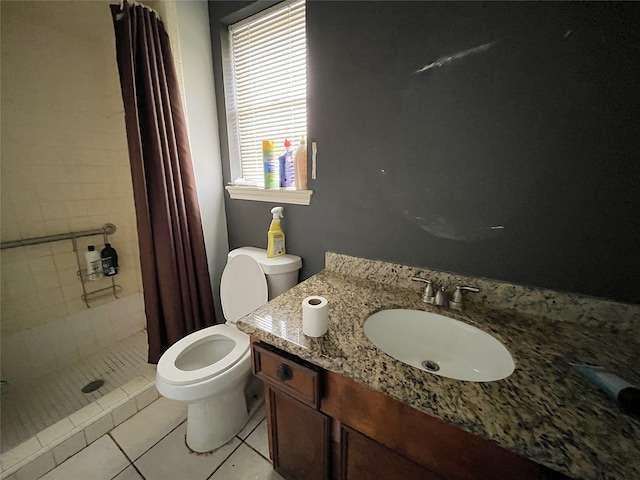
(243, 287)
(174, 375)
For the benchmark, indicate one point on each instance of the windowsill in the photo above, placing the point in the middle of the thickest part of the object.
(280, 195)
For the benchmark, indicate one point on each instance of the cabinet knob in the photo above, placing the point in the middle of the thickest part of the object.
(284, 372)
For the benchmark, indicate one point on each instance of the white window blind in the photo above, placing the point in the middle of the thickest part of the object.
(266, 98)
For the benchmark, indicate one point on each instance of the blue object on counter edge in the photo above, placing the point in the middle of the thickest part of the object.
(627, 395)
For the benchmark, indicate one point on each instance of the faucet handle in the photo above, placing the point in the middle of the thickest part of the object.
(428, 295)
(441, 298)
(456, 302)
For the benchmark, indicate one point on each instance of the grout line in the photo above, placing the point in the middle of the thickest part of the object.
(147, 450)
(252, 430)
(248, 445)
(226, 458)
(137, 470)
(120, 448)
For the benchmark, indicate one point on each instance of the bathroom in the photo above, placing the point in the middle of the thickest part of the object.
(538, 188)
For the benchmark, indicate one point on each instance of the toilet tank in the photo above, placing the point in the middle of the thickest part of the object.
(281, 272)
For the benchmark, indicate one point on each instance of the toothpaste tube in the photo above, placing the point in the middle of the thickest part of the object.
(627, 395)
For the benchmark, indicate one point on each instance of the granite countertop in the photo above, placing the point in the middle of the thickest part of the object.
(544, 411)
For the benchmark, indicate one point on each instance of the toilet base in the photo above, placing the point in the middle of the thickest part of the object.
(214, 420)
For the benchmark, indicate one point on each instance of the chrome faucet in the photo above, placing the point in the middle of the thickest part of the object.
(456, 302)
(428, 295)
(440, 299)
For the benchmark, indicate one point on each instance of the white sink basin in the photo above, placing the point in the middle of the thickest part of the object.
(439, 345)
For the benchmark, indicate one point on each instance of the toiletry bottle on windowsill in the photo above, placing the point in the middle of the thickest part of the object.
(300, 165)
(270, 165)
(287, 171)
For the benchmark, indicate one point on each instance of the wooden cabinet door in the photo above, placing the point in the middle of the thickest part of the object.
(299, 438)
(430, 442)
(366, 459)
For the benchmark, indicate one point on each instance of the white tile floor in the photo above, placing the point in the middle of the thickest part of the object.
(151, 446)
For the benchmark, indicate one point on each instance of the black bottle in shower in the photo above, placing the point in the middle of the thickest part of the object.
(109, 260)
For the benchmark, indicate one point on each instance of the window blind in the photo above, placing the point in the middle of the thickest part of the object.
(267, 101)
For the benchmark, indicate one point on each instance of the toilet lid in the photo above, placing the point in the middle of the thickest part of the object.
(172, 374)
(243, 287)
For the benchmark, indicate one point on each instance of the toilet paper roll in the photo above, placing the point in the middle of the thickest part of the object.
(315, 316)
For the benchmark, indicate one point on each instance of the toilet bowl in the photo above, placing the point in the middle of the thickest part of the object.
(211, 369)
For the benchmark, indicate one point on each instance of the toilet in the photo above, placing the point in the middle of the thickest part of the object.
(211, 369)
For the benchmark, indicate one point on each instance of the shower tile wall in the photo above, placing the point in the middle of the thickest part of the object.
(32, 353)
(65, 167)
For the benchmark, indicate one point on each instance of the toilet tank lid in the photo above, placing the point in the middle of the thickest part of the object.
(270, 266)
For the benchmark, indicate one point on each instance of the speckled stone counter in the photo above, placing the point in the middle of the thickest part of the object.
(544, 411)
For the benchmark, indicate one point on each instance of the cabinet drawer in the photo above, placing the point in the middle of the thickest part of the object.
(287, 373)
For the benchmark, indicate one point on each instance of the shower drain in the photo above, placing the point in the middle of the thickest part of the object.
(92, 386)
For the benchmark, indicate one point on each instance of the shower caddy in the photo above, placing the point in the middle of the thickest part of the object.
(92, 296)
(88, 297)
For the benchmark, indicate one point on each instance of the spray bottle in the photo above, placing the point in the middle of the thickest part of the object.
(270, 164)
(275, 235)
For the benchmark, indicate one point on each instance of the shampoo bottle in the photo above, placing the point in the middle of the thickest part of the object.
(275, 235)
(109, 260)
(94, 263)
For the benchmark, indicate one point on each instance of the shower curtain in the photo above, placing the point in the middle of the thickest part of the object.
(175, 278)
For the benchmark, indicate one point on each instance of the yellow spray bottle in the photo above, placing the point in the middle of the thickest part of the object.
(275, 235)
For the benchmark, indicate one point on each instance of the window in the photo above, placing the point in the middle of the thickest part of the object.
(266, 89)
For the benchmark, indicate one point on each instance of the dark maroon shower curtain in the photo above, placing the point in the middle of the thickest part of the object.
(177, 291)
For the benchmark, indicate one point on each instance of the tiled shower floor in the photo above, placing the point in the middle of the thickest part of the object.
(30, 408)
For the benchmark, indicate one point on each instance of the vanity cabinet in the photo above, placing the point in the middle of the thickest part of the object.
(323, 425)
(299, 434)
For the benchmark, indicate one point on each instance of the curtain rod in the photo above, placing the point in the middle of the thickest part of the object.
(107, 229)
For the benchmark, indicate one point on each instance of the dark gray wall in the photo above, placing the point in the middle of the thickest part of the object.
(518, 158)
